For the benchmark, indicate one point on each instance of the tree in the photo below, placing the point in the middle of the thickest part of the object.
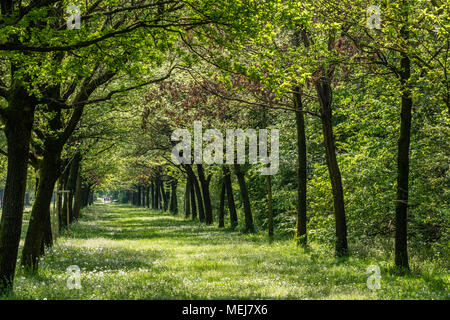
(134, 33)
(187, 198)
(249, 227)
(230, 197)
(173, 199)
(204, 182)
(222, 206)
(200, 203)
(393, 48)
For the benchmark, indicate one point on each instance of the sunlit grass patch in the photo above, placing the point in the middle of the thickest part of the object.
(125, 252)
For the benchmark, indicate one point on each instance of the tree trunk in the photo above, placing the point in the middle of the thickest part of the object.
(78, 197)
(222, 206)
(198, 193)
(158, 194)
(164, 196)
(153, 195)
(230, 197)
(187, 198)
(86, 192)
(63, 199)
(269, 187)
(193, 204)
(19, 117)
(301, 169)
(173, 198)
(59, 203)
(301, 233)
(401, 204)
(91, 197)
(269, 204)
(37, 182)
(40, 214)
(245, 199)
(48, 234)
(324, 92)
(1, 198)
(129, 197)
(206, 196)
(71, 183)
(139, 196)
(144, 196)
(27, 199)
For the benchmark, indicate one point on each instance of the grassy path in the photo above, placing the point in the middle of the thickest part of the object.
(131, 253)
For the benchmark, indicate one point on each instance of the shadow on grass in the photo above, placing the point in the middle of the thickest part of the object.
(130, 223)
(100, 258)
(188, 260)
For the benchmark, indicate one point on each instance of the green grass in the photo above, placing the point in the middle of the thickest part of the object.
(133, 253)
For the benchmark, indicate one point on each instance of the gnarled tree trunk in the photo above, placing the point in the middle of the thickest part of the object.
(18, 118)
(40, 213)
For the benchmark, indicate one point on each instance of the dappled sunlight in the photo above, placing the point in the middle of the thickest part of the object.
(125, 252)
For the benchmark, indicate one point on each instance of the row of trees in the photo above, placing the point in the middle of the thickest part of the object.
(197, 203)
(51, 75)
(80, 112)
(315, 59)
(156, 191)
